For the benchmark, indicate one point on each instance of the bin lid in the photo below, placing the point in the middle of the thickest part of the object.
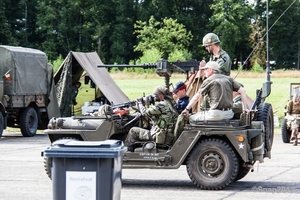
(85, 149)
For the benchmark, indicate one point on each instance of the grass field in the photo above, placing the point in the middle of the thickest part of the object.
(135, 85)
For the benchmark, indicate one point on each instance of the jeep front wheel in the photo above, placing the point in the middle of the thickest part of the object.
(285, 132)
(212, 164)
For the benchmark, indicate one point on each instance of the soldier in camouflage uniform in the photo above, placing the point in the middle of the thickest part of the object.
(163, 115)
(211, 42)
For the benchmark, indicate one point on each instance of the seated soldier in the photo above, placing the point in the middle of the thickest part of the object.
(182, 98)
(163, 115)
(219, 89)
(292, 112)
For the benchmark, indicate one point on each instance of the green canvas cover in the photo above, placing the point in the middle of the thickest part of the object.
(28, 70)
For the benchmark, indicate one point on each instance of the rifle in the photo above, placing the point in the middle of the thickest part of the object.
(165, 68)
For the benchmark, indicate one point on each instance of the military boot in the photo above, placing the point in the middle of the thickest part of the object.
(295, 135)
(295, 142)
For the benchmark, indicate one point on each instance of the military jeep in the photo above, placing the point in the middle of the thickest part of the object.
(215, 153)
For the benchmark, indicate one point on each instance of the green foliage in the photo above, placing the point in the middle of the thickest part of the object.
(230, 20)
(57, 63)
(257, 68)
(107, 27)
(166, 36)
(114, 69)
(181, 55)
(149, 56)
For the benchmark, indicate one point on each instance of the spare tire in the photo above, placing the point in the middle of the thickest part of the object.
(265, 114)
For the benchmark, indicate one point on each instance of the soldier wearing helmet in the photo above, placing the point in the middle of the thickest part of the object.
(211, 42)
(163, 116)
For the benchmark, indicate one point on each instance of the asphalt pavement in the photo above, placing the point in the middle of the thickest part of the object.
(22, 176)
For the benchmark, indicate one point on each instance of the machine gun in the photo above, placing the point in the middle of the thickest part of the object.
(123, 105)
(165, 68)
(145, 100)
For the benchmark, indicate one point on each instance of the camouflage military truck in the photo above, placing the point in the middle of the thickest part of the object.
(27, 99)
(215, 153)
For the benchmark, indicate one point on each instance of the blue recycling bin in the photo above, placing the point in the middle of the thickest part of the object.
(86, 169)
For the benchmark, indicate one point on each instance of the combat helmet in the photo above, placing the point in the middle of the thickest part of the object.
(209, 39)
(160, 90)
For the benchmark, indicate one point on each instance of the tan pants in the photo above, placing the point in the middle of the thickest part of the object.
(213, 115)
(292, 122)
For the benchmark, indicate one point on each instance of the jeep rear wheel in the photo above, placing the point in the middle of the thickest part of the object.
(265, 114)
(285, 132)
(48, 161)
(212, 164)
(28, 122)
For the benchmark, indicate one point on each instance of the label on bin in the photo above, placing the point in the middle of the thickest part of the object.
(80, 185)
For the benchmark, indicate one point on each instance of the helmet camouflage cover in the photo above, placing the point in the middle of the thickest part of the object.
(210, 38)
(160, 90)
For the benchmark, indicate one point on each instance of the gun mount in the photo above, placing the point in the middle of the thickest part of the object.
(164, 68)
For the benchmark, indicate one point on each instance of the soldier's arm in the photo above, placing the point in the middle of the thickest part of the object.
(289, 108)
(192, 102)
(225, 64)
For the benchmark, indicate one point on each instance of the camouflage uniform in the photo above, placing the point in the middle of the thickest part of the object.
(164, 117)
(74, 93)
(223, 59)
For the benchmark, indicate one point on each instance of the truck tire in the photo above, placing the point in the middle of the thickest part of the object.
(285, 132)
(1, 124)
(48, 161)
(28, 122)
(243, 171)
(265, 114)
(212, 164)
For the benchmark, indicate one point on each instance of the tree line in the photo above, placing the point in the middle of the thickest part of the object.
(122, 31)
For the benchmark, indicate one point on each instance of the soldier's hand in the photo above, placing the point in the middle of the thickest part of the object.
(185, 112)
(142, 108)
(202, 63)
